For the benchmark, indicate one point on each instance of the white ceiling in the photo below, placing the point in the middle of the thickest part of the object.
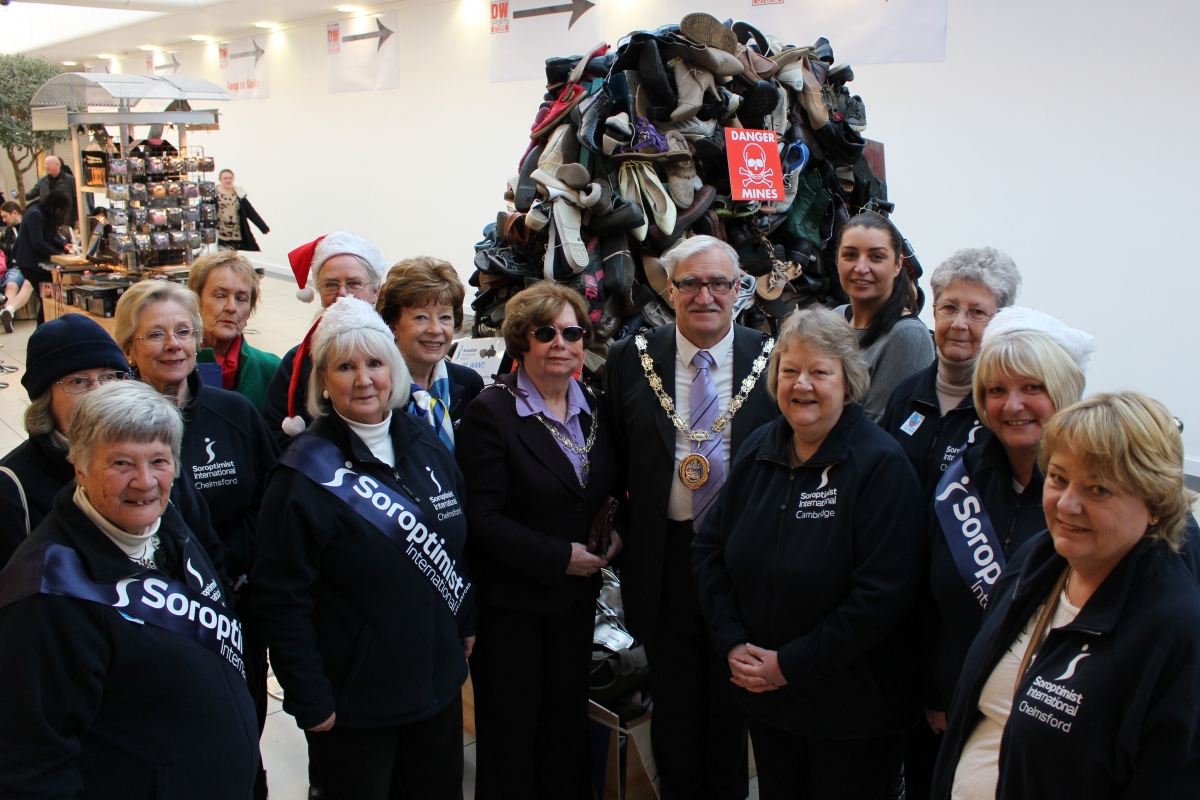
(220, 20)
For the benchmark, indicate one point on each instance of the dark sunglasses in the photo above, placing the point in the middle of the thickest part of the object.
(546, 333)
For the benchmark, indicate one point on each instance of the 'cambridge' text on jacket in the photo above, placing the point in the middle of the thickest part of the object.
(353, 625)
(821, 562)
(1111, 706)
(96, 705)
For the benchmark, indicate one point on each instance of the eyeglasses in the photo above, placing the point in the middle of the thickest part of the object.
(546, 333)
(352, 286)
(950, 311)
(78, 384)
(691, 286)
(159, 338)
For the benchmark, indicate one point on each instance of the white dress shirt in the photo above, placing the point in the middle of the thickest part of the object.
(680, 506)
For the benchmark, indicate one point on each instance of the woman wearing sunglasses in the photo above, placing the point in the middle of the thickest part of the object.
(536, 433)
(66, 359)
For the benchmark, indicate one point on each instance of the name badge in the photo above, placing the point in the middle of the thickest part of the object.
(912, 423)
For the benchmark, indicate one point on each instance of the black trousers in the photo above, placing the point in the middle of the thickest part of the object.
(920, 754)
(418, 761)
(255, 654)
(530, 672)
(795, 767)
(698, 730)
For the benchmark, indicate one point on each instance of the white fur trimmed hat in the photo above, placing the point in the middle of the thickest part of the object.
(307, 259)
(1079, 345)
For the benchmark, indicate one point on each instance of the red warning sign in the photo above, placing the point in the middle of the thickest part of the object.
(754, 169)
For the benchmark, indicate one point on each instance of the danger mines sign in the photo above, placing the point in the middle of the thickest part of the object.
(754, 169)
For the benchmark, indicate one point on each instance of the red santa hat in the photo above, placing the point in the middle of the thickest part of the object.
(307, 259)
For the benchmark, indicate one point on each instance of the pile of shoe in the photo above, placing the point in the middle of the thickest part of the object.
(627, 156)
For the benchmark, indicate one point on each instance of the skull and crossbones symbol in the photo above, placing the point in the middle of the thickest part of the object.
(756, 170)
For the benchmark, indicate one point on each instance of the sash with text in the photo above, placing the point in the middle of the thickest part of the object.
(322, 462)
(149, 598)
(977, 550)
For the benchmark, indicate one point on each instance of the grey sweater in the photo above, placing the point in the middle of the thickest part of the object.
(905, 349)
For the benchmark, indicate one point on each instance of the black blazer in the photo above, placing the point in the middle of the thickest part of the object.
(465, 383)
(524, 503)
(645, 442)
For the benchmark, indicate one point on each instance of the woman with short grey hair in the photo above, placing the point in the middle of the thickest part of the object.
(807, 566)
(931, 413)
(114, 620)
(65, 360)
(361, 582)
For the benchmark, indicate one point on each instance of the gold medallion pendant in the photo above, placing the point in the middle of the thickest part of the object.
(693, 471)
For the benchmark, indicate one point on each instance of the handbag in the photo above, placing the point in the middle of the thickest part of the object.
(600, 536)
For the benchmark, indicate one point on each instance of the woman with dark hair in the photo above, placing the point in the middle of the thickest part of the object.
(883, 306)
(38, 239)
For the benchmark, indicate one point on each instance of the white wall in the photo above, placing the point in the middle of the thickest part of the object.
(1054, 130)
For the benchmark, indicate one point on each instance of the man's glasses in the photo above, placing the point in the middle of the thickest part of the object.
(546, 333)
(692, 286)
(329, 288)
(950, 311)
(78, 384)
(159, 338)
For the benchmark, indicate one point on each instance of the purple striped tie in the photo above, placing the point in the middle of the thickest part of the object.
(705, 408)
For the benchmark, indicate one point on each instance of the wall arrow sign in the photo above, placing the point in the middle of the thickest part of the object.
(257, 53)
(577, 8)
(382, 35)
(172, 65)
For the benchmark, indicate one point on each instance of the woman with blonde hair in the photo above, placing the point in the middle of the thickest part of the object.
(1087, 668)
(1030, 365)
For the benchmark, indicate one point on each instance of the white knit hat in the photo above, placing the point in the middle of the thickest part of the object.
(307, 259)
(1078, 345)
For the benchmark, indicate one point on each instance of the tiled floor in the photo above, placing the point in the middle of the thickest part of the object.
(279, 324)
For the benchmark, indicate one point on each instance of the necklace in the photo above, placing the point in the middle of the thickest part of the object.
(694, 469)
(584, 465)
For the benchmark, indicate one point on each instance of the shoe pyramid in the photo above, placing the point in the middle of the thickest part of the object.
(627, 157)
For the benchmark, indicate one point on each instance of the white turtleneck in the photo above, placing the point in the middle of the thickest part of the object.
(377, 436)
(139, 547)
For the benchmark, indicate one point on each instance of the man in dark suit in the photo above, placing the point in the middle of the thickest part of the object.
(698, 732)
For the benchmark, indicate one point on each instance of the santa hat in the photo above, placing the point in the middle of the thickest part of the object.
(1079, 345)
(307, 259)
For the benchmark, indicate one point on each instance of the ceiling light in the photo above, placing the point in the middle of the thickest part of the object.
(202, 38)
(106, 56)
(149, 47)
(348, 9)
(70, 63)
(265, 25)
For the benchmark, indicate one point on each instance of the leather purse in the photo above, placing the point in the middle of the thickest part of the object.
(600, 537)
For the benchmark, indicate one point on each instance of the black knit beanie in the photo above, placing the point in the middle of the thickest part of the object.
(65, 345)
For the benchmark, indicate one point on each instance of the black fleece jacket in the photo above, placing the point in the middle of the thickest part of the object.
(95, 705)
(1111, 706)
(914, 418)
(821, 562)
(956, 615)
(40, 464)
(226, 454)
(353, 626)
